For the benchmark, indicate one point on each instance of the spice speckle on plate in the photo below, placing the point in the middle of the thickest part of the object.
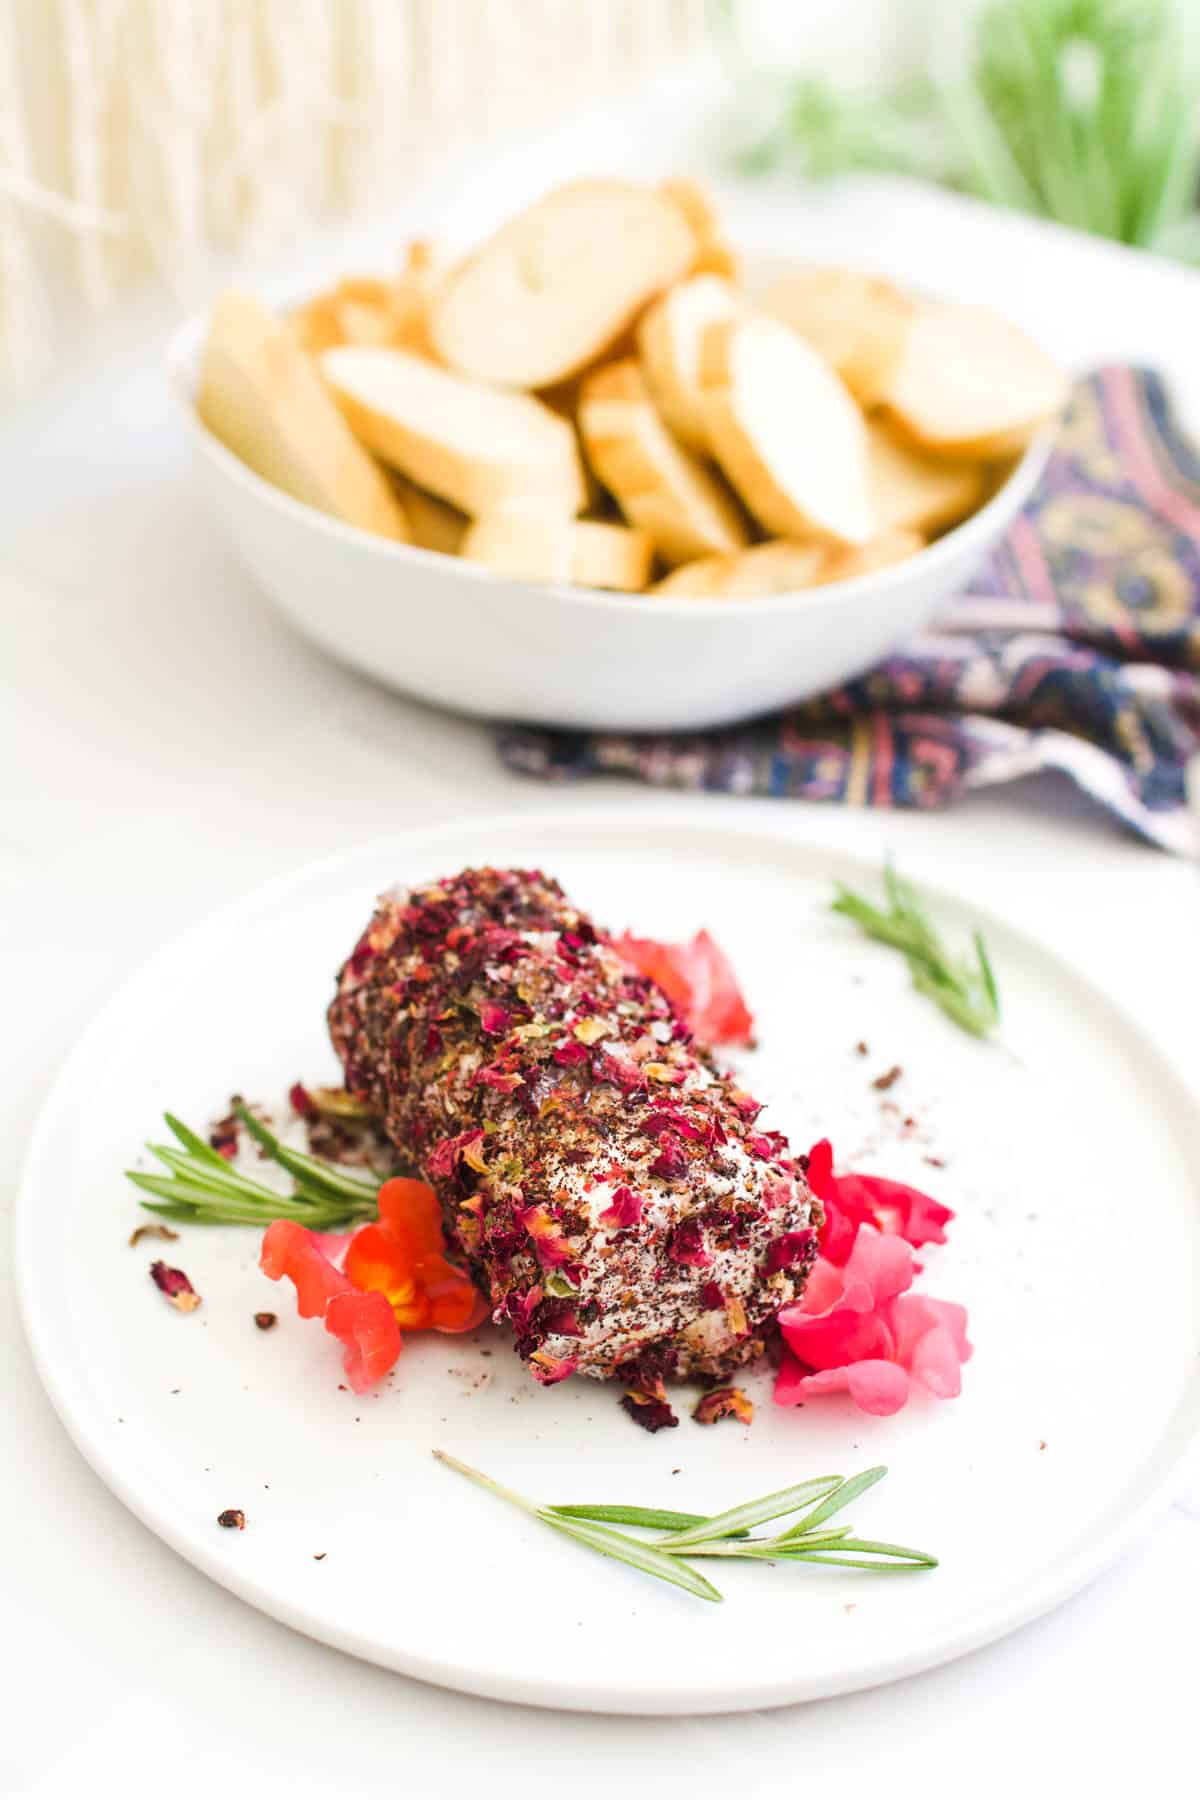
(233, 1519)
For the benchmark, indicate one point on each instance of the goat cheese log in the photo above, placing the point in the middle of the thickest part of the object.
(604, 1180)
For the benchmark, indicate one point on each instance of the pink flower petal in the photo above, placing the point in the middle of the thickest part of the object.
(936, 1365)
(789, 1381)
(915, 1314)
(875, 1386)
(882, 1262)
(829, 1340)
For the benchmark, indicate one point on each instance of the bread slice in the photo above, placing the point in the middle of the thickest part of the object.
(581, 552)
(472, 445)
(261, 396)
(785, 431)
(659, 486)
(317, 324)
(432, 523)
(858, 323)
(713, 255)
(780, 567)
(669, 338)
(786, 566)
(864, 559)
(916, 492)
(970, 384)
(553, 289)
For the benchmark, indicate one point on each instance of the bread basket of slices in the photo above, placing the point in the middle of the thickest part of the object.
(605, 471)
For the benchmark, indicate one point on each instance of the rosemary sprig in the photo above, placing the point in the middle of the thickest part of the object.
(966, 991)
(726, 1535)
(203, 1188)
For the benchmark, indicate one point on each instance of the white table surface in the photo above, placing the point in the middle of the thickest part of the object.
(168, 743)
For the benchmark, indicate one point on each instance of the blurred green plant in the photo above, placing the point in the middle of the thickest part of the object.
(1084, 111)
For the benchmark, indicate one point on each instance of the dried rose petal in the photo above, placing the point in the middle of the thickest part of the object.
(686, 1244)
(624, 1211)
(671, 1163)
(548, 1369)
(724, 1403)
(553, 1250)
(784, 1252)
(175, 1285)
(649, 1410)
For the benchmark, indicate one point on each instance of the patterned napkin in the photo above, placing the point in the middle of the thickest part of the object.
(1076, 647)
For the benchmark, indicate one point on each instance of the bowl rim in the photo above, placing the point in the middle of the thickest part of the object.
(983, 526)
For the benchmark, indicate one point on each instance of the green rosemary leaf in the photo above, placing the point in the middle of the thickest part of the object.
(833, 1503)
(667, 1558)
(223, 1180)
(194, 1143)
(778, 1549)
(310, 1169)
(885, 1559)
(652, 1518)
(985, 970)
(636, 1552)
(754, 1512)
(966, 993)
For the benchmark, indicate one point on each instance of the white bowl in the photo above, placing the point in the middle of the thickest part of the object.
(447, 631)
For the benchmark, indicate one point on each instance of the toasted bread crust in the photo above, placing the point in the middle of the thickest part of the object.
(659, 486)
(261, 396)
(553, 290)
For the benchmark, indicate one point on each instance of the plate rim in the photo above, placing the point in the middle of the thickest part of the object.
(57, 1371)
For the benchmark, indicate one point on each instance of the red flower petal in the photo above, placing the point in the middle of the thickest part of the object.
(366, 1325)
(288, 1249)
(698, 979)
(910, 1213)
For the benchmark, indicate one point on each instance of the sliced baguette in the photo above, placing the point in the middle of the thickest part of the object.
(469, 444)
(582, 552)
(785, 431)
(433, 524)
(779, 567)
(912, 491)
(858, 322)
(317, 324)
(713, 255)
(553, 289)
(864, 559)
(260, 394)
(659, 486)
(786, 566)
(969, 384)
(669, 338)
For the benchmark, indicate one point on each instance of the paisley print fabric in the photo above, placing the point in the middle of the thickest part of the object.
(1076, 648)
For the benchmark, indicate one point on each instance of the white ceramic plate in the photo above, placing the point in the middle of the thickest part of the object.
(1066, 1147)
